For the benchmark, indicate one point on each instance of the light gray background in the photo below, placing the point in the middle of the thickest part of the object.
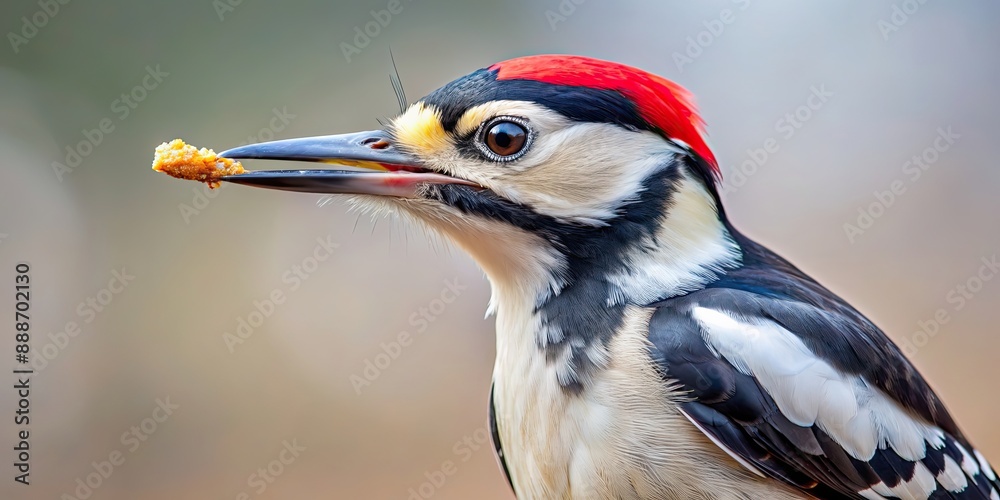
(162, 336)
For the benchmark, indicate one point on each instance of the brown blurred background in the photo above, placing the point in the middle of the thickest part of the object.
(886, 77)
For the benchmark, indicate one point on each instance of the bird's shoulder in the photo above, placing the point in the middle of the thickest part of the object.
(797, 385)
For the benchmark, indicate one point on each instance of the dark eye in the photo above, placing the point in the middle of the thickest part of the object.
(504, 139)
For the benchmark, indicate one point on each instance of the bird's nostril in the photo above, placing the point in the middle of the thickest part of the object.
(375, 143)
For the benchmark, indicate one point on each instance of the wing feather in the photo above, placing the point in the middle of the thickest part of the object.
(769, 397)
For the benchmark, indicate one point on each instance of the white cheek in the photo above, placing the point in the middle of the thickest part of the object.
(587, 172)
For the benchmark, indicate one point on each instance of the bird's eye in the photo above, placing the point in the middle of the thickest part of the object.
(504, 139)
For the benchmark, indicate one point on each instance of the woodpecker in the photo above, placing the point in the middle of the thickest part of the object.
(646, 348)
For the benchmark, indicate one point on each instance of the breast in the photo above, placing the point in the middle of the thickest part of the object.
(620, 436)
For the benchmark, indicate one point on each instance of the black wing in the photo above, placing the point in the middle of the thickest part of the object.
(782, 416)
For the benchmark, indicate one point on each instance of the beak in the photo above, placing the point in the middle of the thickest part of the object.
(388, 171)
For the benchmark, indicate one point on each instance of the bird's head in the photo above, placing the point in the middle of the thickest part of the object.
(547, 169)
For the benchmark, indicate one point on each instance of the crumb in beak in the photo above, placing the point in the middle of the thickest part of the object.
(183, 161)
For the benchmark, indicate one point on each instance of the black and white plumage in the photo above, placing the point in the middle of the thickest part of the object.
(798, 385)
(646, 349)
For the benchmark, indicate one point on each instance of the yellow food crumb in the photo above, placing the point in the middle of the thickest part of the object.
(184, 161)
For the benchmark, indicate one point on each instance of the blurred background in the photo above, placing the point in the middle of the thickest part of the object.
(242, 343)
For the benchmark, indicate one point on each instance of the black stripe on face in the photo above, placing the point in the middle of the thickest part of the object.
(579, 312)
(587, 248)
(576, 103)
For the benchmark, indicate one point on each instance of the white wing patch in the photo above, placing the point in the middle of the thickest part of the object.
(952, 477)
(809, 391)
(920, 486)
(969, 464)
(985, 466)
(857, 415)
(870, 494)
